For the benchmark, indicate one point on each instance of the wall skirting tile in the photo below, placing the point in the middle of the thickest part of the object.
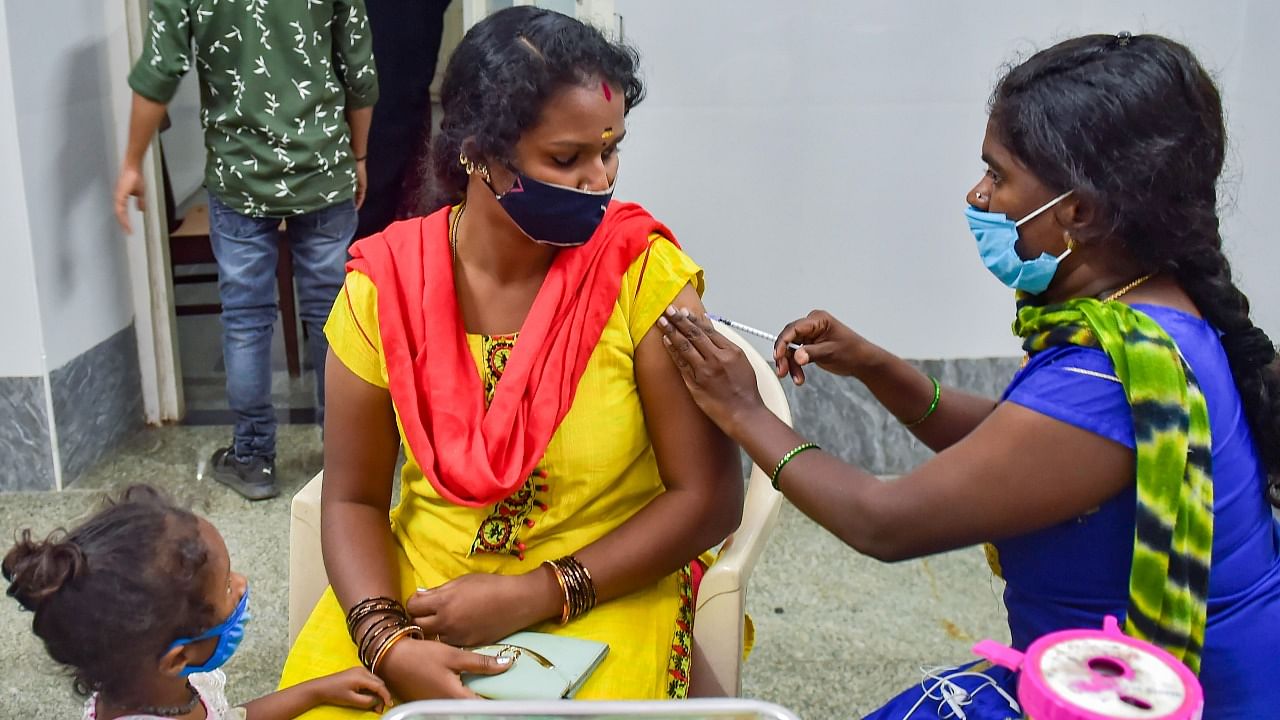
(26, 455)
(97, 401)
(844, 418)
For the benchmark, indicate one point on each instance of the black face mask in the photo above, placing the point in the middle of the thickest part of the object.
(554, 214)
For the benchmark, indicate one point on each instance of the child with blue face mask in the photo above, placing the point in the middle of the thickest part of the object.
(141, 604)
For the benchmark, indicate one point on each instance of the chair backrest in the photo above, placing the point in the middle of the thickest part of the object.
(719, 632)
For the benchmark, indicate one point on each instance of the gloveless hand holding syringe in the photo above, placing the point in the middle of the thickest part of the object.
(750, 330)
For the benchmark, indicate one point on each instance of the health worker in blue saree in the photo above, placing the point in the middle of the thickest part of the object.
(1127, 468)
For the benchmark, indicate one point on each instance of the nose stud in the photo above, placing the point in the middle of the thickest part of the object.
(979, 195)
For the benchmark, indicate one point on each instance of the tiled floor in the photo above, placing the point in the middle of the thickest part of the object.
(836, 632)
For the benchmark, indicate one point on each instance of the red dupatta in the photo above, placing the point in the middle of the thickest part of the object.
(473, 456)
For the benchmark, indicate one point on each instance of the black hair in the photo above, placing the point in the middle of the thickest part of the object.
(500, 76)
(1134, 126)
(111, 595)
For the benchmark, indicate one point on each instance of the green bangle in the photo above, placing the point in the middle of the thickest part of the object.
(777, 469)
(937, 395)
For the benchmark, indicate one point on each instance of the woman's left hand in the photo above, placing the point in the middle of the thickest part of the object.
(715, 370)
(480, 608)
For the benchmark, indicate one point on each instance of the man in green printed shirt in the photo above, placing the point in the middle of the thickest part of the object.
(287, 89)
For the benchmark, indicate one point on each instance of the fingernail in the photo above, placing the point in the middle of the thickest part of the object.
(685, 312)
(662, 322)
(671, 310)
(422, 589)
(503, 660)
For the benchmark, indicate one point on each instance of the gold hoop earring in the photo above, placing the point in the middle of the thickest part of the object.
(1070, 241)
(472, 167)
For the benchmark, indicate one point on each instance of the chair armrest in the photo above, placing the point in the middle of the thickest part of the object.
(307, 576)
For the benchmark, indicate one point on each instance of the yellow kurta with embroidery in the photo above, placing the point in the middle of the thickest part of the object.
(599, 469)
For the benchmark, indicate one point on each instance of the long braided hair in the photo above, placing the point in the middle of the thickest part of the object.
(1134, 124)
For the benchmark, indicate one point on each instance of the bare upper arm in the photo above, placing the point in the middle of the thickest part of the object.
(361, 440)
(692, 452)
(1017, 472)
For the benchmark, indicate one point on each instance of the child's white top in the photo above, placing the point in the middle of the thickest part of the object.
(210, 686)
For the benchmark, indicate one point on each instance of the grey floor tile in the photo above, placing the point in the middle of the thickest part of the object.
(257, 536)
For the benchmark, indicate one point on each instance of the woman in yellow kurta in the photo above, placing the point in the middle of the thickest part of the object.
(507, 343)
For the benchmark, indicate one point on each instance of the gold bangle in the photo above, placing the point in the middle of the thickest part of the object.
(564, 589)
(380, 627)
(386, 645)
(576, 584)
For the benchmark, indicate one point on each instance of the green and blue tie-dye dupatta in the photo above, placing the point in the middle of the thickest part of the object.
(1173, 536)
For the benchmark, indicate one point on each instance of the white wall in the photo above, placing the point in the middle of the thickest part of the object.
(184, 141)
(1252, 93)
(60, 54)
(817, 153)
(21, 355)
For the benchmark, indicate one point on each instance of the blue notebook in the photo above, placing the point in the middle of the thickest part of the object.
(544, 667)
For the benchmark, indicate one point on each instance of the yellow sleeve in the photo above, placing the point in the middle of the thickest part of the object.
(653, 281)
(352, 329)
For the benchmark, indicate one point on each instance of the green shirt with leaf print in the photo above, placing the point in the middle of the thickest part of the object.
(276, 77)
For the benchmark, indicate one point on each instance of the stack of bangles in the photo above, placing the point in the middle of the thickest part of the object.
(576, 585)
(380, 622)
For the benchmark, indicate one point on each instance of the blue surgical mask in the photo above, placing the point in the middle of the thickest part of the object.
(229, 633)
(997, 238)
(554, 214)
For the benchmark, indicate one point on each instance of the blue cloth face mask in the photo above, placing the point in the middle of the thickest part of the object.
(229, 633)
(997, 238)
(554, 214)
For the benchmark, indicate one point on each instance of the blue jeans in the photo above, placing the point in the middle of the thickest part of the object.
(247, 250)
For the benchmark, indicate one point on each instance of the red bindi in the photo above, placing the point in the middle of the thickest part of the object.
(608, 94)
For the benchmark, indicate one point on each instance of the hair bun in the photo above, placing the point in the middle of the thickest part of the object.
(37, 569)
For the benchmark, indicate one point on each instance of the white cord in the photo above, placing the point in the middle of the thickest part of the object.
(952, 695)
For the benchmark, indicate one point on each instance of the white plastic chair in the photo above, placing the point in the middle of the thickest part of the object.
(718, 628)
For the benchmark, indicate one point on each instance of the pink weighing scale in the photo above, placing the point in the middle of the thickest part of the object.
(1099, 675)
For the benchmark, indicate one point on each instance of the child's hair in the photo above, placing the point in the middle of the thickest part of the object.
(110, 596)
(1134, 124)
